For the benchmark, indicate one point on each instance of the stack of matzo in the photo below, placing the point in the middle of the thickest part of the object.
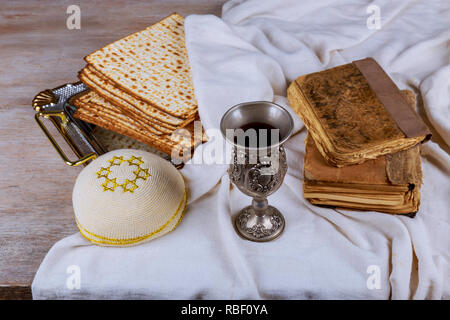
(141, 87)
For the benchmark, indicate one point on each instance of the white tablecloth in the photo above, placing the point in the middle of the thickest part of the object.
(253, 53)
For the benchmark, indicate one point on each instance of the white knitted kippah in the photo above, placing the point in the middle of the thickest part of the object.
(126, 197)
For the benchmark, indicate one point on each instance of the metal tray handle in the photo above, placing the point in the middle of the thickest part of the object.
(62, 116)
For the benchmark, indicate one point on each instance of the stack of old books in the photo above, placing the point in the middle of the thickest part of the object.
(362, 147)
(141, 87)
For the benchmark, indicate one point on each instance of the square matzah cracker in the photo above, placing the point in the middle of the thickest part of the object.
(153, 66)
(106, 88)
(98, 94)
(120, 123)
(93, 98)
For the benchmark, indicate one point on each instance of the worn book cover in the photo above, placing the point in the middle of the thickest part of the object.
(355, 112)
(390, 183)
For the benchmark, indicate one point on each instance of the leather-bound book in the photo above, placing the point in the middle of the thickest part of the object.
(388, 184)
(355, 112)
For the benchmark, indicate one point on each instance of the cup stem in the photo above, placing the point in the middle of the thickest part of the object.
(260, 206)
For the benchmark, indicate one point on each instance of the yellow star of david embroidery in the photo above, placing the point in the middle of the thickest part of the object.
(141, 173)
(103, 172)
(116, 161)
(111, 184)
(128, 182)
(135, 160)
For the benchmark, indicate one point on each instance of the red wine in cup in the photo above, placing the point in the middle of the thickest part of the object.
(264, 133)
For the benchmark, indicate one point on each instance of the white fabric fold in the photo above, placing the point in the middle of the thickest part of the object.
(253, 53)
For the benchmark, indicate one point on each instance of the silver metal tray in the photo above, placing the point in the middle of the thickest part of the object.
(86, 140)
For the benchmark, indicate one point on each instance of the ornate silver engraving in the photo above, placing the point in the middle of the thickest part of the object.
(249, 177)
(259, 230)
(258, 171)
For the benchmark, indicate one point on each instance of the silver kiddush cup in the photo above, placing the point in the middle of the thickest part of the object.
(258, 166)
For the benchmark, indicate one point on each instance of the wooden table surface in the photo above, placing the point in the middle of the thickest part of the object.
(38, 52)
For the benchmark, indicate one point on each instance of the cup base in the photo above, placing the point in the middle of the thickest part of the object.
(260, 228)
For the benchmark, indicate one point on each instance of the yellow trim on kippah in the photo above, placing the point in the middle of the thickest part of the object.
(181, 217)
(112, 241)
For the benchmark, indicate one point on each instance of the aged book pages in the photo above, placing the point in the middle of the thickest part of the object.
(346, 117)
(389, 183)
(386, 184)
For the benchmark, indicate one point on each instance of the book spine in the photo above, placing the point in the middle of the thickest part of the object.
(393, 101)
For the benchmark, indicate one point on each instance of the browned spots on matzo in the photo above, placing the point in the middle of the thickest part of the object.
(150, 56)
